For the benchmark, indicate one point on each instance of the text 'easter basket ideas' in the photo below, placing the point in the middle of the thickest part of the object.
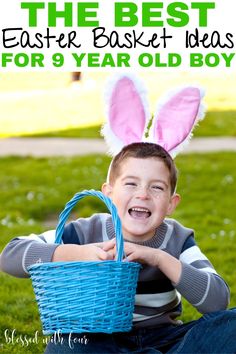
(96, 296)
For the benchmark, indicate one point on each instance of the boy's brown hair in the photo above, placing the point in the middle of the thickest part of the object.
(144, 150)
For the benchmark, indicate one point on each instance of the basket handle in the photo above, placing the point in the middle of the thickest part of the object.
(111, 207)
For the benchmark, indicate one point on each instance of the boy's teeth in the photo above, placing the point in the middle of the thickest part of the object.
(139, 213)
(140, 209)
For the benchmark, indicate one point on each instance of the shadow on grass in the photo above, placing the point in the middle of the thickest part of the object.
(86, 133)
(218, 123)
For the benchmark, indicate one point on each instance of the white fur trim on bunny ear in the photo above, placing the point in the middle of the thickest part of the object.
(127, 112)
(175, 118)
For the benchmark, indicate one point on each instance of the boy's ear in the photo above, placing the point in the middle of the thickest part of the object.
(174, 201)
(107, 189)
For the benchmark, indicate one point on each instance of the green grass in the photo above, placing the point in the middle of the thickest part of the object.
(34, 191)
(85, 133)
(49, 105)
(216, 123)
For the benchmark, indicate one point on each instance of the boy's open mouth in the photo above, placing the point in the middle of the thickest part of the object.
(139, 213)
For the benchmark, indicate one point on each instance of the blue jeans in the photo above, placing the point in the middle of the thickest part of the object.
(212, 333)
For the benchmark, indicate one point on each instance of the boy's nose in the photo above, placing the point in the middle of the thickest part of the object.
(143, 193)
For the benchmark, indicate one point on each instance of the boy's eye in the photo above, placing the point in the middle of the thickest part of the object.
(130, 184)
(160, 188)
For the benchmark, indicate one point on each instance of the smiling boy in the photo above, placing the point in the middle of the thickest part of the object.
(143, 190)
(141, 183)
(142, 193)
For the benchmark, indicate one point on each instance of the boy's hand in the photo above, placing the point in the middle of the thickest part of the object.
(141, 254)
(154, 257)
(134, 253)
(91, 252)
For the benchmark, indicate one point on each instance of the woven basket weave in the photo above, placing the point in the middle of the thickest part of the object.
(84, 297)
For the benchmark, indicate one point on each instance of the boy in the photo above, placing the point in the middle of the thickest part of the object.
(142, 182)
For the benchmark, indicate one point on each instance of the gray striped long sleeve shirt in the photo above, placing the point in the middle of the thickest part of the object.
(158, 301)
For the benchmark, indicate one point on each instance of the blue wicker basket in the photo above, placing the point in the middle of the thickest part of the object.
(80, 297)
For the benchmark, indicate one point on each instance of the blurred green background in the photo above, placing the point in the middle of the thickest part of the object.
(51, 104)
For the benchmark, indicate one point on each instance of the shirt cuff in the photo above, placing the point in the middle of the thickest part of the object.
(38, 253)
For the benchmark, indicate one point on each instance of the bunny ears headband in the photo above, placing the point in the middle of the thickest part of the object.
(128, 116)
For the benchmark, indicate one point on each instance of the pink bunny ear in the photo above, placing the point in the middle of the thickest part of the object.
(175, 119)
(127, 113)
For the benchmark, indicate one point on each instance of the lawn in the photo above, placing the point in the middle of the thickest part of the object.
(34, 191)
(49, 104)
(216, 123)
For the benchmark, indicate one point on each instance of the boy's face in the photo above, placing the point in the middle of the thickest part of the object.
(142, 195)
